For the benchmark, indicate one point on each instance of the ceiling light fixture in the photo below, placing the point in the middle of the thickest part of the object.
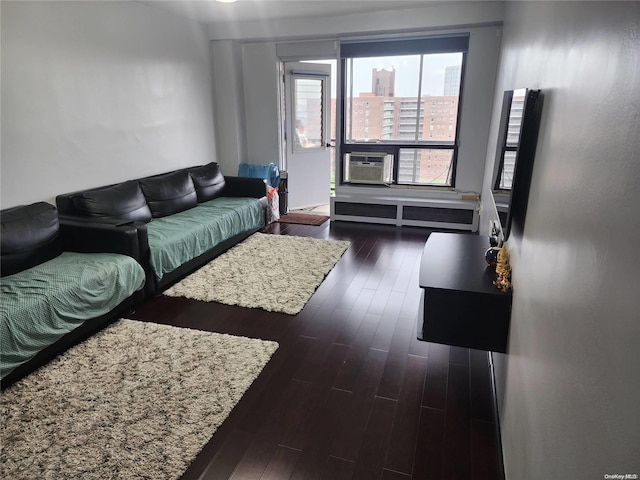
(225, 1)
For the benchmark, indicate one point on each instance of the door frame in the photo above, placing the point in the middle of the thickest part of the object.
(304, 194)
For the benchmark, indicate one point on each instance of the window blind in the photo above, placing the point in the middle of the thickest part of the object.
(405, 46)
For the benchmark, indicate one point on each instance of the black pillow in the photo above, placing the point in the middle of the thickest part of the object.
(29, 236)
(123, 201)
(208, 180)
(169, 193)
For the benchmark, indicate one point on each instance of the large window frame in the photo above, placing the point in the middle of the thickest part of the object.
(454, 43)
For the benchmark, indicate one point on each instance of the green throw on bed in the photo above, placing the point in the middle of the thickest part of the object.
(41, 304)
(181, 237)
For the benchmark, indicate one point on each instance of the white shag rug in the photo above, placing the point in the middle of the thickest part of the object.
(277, 273)
(137, 400)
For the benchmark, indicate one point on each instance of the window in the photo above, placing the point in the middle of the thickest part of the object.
(425, 166)
(307, 112)
(403, 83)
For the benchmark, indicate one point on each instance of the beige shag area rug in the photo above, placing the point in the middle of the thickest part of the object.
(277, 273)
(137, 400)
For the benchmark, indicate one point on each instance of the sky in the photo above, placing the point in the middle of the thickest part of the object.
(407, 68)
(407, 73)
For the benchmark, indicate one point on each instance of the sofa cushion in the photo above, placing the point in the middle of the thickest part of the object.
(29, 236)
(169, 193)
(208, 180)
(176, 240)
(122, 201)
(41, 304)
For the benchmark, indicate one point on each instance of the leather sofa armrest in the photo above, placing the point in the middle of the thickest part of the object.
(94, 237)
(78, 229)
(244, 187)
(140, 227)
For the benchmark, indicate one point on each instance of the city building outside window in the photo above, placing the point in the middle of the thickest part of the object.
(396, 89)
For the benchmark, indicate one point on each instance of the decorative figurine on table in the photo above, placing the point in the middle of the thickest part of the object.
(503, 271)
(491, 256)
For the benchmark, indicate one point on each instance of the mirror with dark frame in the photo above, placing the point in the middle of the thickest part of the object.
(517, 138)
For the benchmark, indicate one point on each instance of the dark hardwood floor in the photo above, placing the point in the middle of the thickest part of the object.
(350, 393)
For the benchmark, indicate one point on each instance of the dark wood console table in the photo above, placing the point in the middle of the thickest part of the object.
(460, 305)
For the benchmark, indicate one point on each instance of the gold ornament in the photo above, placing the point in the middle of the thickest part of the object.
(503, 271)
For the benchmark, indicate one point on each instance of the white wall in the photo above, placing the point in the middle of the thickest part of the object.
(262, 106)
(228, 87)
(570, 387)
(246, 84)
(99, 92)
(477, 97)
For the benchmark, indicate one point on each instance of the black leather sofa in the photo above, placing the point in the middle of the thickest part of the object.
(31, 237)
(137, 202)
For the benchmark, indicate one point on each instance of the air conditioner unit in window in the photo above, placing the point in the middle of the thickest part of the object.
(372, 168)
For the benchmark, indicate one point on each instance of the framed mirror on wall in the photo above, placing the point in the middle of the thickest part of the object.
(515, 152)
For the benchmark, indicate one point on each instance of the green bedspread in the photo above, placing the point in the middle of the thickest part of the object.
(181, 237)
(41, 304)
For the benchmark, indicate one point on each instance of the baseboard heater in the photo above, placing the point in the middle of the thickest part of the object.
(432, 214)
(398, 214)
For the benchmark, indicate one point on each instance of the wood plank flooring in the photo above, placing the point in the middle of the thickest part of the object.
(351, 393)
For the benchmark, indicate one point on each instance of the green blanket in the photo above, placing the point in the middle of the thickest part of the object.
(181, 237)
(41, 304)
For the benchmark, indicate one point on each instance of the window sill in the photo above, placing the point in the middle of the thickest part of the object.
(416, 192)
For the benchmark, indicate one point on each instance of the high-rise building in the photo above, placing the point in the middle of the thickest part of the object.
(452, 80)
(383, 82)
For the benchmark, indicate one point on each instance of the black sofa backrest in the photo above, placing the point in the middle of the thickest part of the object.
(169, 193)
(156, 195)
(30, 235)
(208, 181)
(123, 201)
